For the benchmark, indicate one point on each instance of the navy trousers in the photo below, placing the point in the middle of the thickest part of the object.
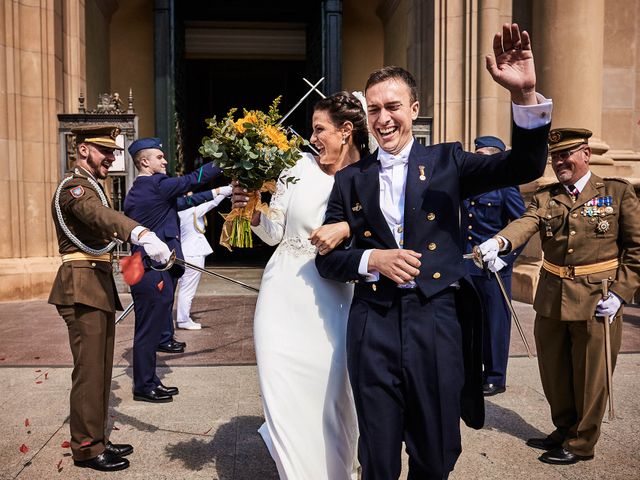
(152, 298)
(406, 369)
(168, 330)
(496, 328)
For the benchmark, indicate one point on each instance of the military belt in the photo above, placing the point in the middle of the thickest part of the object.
(571, 271)
(69, 257)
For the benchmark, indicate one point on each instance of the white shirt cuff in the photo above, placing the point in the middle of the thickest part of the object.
(363, 268)
(135, 233)
(533, 116)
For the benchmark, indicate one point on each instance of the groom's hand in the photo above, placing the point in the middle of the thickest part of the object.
(513, 66)
(399, 265)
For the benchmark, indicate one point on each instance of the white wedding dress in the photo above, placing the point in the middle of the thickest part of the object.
(300, 322)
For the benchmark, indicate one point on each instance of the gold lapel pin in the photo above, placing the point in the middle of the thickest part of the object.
(357, 207)
(422, 175)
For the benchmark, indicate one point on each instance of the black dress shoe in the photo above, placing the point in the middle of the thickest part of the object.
(170, 347)
(176, 342)
(154, 396)
(105, 462)
(120, 449)
(562, 456)
(167, 390)
(546, 443)
(490, 389)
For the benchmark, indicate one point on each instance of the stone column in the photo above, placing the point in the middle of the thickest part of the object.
(568, 39)
(34, 78)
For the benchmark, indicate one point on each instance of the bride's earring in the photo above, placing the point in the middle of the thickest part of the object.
(344, 139)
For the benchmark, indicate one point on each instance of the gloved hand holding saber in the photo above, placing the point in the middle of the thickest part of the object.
(477, 257)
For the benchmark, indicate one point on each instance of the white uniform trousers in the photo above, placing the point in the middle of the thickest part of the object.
(187, 286)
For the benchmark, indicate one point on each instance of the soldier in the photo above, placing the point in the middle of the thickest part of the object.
(590, 231)
(483, 215)
(153, 200)
(85, 294)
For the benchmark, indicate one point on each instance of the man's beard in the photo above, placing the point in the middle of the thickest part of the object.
(95, 167)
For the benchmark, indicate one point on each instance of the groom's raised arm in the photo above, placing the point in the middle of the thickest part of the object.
(341, 264)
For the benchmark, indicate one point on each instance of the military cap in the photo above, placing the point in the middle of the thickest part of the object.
(567, 138)
(103, 135)
(143, 143)
(489, 141)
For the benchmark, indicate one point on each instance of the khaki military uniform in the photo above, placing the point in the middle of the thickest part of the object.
(569, 338)
(85, 295)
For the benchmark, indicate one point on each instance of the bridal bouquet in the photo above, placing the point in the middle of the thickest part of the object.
(253, 150)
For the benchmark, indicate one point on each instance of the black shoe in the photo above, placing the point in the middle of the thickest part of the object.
(490, 389)
(176, 342)
(546, 443)
(105, 462)
(562, 456)
(170, 347)
(167, 390)
(120, 449)
(154, 396)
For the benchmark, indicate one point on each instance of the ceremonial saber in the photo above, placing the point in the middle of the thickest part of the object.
(300, 101)
(126, 312)
(607, 352)
(476, 256)
(313, 86)
(174, 259)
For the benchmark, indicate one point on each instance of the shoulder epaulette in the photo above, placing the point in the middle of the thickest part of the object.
(548, 186)
(617, 179)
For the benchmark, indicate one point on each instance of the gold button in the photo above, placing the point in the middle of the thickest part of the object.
(572, 233)
(471, 215)
(93, 264)
(400, 229)
(367, 233)
(115, 234)
(570, 250)
(472, 202)
(574, 215)
(470, 227)
(436, 275)
(470, 237)
(489, 204)
(432, 246)
(431, 216)
(374, 287)
(548, 216)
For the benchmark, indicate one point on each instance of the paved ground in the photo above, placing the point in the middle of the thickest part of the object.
(210, 430)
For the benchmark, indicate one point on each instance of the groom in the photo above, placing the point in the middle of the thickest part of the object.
(414, 336)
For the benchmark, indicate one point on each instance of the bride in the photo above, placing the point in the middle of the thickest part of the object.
(300, 321)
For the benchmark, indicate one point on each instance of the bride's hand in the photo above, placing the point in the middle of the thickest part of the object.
(327, 237)
(239, 199)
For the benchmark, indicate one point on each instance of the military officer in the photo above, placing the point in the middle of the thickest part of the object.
(483, 215)
(85, 294)
(590, 231)
(153, 200)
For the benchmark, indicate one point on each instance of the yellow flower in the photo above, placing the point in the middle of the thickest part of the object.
(277, 137)
(248, 118)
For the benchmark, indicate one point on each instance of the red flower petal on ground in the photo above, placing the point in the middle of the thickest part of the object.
(26, 422)
(65, 444)
(60, 466)
(46, 375)
(37, 358)
(24, 448)
(38, 371)
(39, 381)
(1, 359)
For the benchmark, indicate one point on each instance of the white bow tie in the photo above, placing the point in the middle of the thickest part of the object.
(388, 161)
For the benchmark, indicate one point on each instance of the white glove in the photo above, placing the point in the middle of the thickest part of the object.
(609, 307)
(155, 248)
(226, 190)
(490, 250)
(496, 265)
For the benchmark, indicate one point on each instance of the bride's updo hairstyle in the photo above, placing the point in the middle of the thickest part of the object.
(345, 107)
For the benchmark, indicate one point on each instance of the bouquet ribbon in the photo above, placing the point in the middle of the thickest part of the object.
(244, 214)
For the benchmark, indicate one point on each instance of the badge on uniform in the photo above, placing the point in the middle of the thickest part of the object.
(357, 207)
(598, 207)
(422, 177)
(77, 192)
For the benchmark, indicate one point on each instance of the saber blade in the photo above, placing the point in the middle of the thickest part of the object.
(300, 101)
(126, 312)
(215, 274)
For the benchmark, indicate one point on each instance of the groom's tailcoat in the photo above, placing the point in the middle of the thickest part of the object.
(438, 178)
